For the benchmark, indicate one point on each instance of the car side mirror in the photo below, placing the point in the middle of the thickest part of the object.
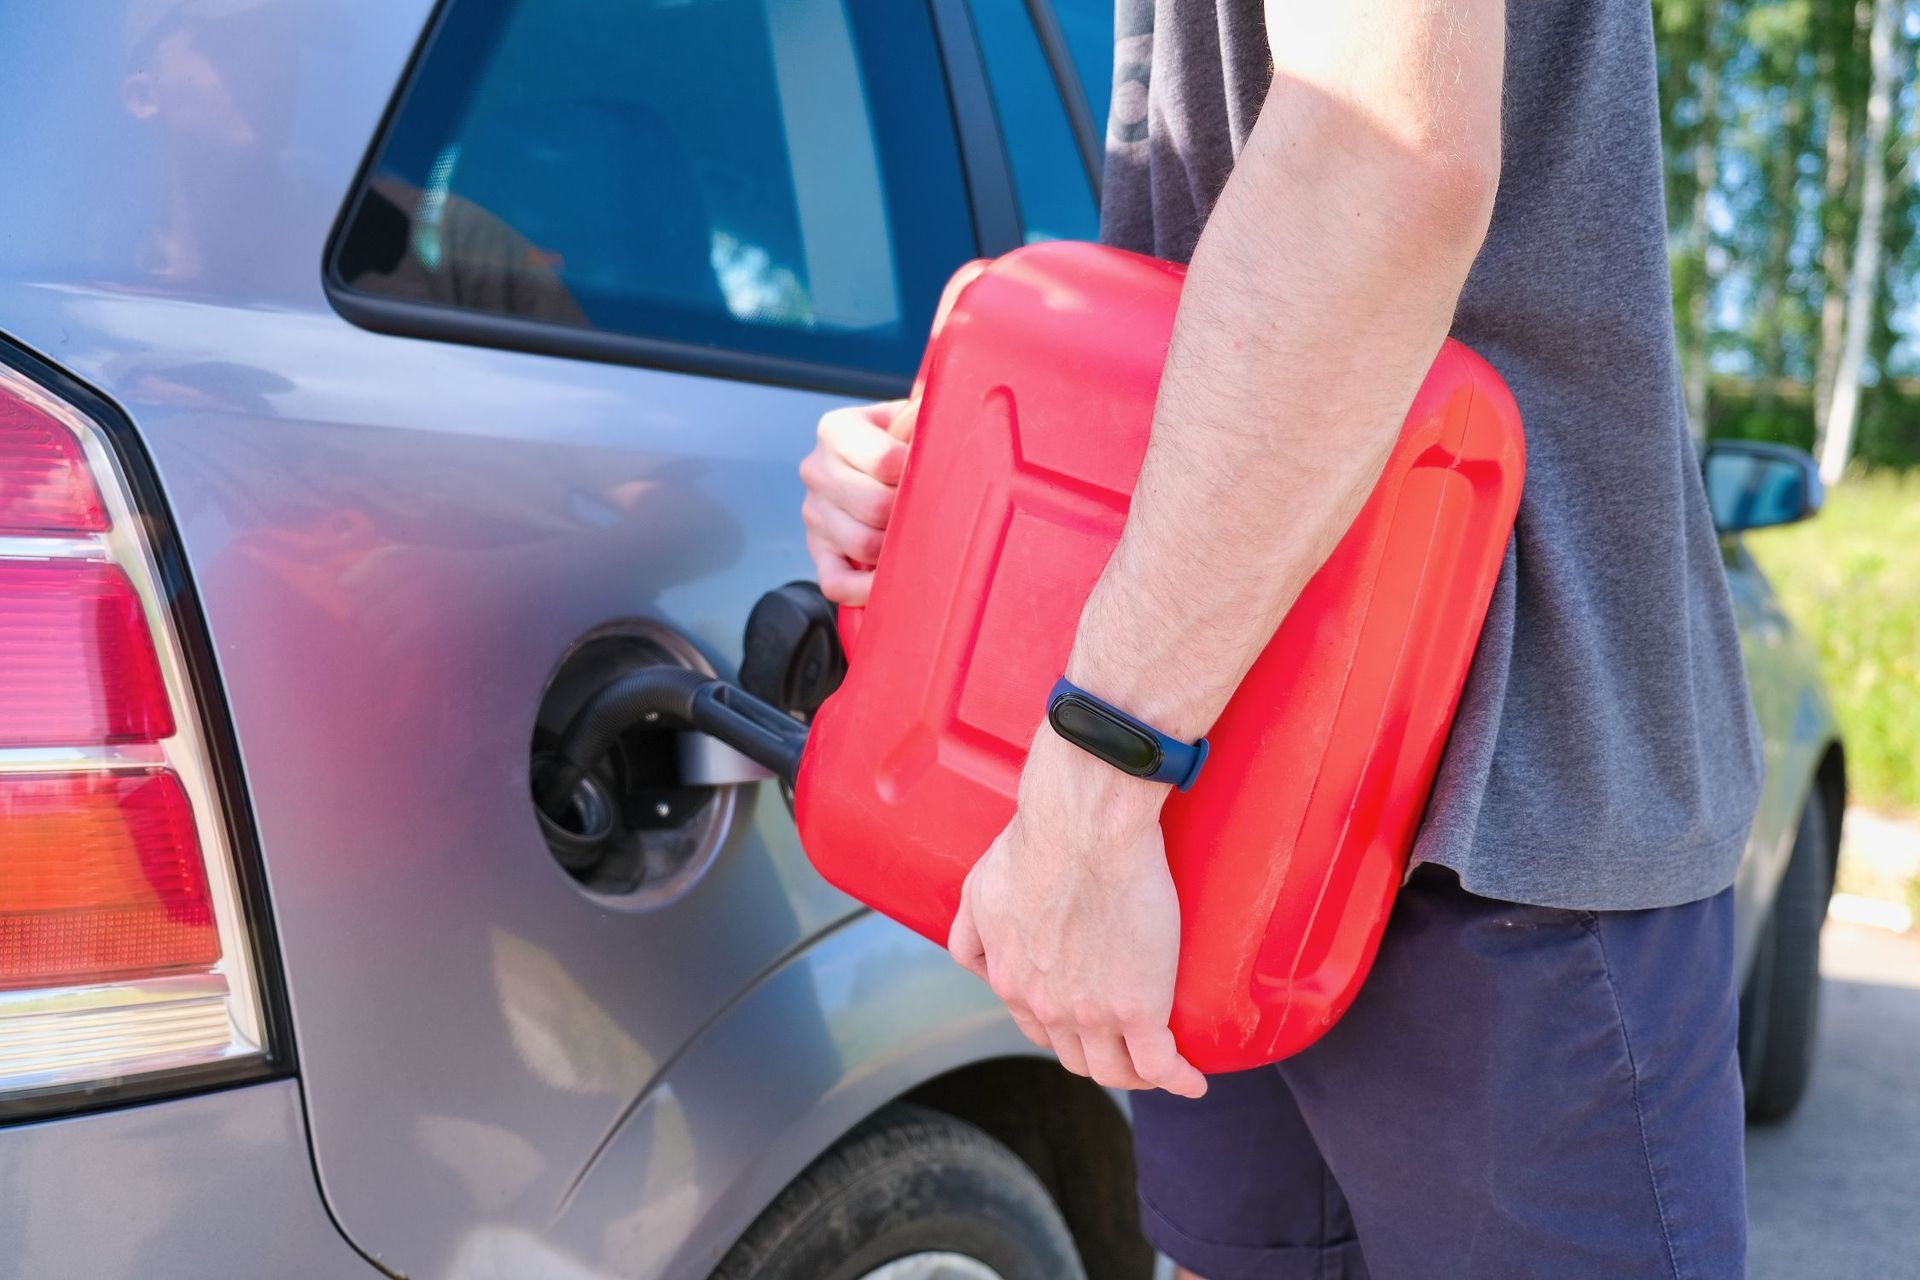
(1751, 485)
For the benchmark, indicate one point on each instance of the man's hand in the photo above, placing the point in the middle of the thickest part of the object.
(1071, 918)
(851, 477)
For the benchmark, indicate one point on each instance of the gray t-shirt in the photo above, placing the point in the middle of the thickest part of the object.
(1605, 756)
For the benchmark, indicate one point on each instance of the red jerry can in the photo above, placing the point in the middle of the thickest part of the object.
(1032, 414)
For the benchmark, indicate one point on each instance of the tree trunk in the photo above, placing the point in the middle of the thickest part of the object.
(1782, 173)
(1706, 174)
(1833, 220)
(1863, 283)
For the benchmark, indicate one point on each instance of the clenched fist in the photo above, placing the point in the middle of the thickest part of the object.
(851, 478)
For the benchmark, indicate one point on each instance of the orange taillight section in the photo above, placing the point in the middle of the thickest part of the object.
(101, 878)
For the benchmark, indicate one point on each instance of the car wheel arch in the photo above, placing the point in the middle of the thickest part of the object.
(1076, 1138)
(1830, 776)
(864, 1015)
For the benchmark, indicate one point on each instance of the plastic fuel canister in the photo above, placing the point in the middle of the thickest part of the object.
(1030, 419)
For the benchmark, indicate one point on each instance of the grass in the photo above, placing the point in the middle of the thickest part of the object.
(1850, 578)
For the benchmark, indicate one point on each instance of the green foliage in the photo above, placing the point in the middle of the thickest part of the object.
(1735, 416)
(1890, 433)
(1763, 113)
(1889, 426)
(1851, 580)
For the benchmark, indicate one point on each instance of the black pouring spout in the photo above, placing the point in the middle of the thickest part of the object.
(792, 658)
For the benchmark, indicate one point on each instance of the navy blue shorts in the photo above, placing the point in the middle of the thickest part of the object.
(1517, 1092)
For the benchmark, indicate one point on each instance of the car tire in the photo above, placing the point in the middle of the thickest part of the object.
(910, 1193)
(1780, 1003)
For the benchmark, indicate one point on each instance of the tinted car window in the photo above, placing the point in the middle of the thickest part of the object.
(769, 176)
(1088, 28)
(1049, 177)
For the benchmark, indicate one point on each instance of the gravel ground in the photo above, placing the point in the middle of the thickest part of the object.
(1835, 1191)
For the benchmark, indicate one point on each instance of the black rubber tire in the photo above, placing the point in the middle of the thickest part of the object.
(907, 1181)
(1780, 1004)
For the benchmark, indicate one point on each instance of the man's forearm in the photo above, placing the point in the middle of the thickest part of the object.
(1316, 300)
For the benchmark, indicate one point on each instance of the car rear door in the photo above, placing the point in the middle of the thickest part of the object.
(619, 258)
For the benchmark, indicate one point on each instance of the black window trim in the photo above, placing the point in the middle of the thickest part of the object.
(1088, 132)
(983, 156)
(984, 173)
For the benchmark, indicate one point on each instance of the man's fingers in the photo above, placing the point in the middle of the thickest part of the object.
(860, 438)
(841, 581)
(1159, 1062)
(860, 495)
(964, 945)
(1108, 1062)
(900, 423)
(846, 584)
(881, 413)
(856, 541)
(851, 479)
(1030, 1026)
(1066, 1047)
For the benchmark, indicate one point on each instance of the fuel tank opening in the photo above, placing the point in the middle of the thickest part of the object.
(634, 826)
(638, 754)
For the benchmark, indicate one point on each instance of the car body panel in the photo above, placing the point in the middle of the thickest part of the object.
(218, 1185)
(1797, 729)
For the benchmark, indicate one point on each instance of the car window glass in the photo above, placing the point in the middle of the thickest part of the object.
(1049, 177)
(768, 176)
(1088, 28)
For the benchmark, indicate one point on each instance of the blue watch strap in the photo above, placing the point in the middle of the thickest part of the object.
(1132, 746)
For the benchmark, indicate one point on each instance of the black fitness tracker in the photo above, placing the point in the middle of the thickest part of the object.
(1107, 733)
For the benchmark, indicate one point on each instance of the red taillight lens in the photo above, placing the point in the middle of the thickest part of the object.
(100, 878)
(77, 663)
(45, 487)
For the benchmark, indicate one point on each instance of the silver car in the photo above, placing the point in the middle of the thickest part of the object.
(376, 382)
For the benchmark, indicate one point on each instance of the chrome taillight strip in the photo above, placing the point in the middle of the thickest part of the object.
(16, 547)
(184, 986)
(78, 1046)
(143, 755)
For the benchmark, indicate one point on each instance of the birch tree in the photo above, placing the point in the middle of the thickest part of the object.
(1863, 282)
(1839, 43)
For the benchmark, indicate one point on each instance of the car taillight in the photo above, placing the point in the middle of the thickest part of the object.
(125, 957)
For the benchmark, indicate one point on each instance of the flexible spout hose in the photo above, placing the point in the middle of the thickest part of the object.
(657, 694)
(670, 698)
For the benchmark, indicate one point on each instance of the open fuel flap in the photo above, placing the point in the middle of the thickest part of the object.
(638, 747)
